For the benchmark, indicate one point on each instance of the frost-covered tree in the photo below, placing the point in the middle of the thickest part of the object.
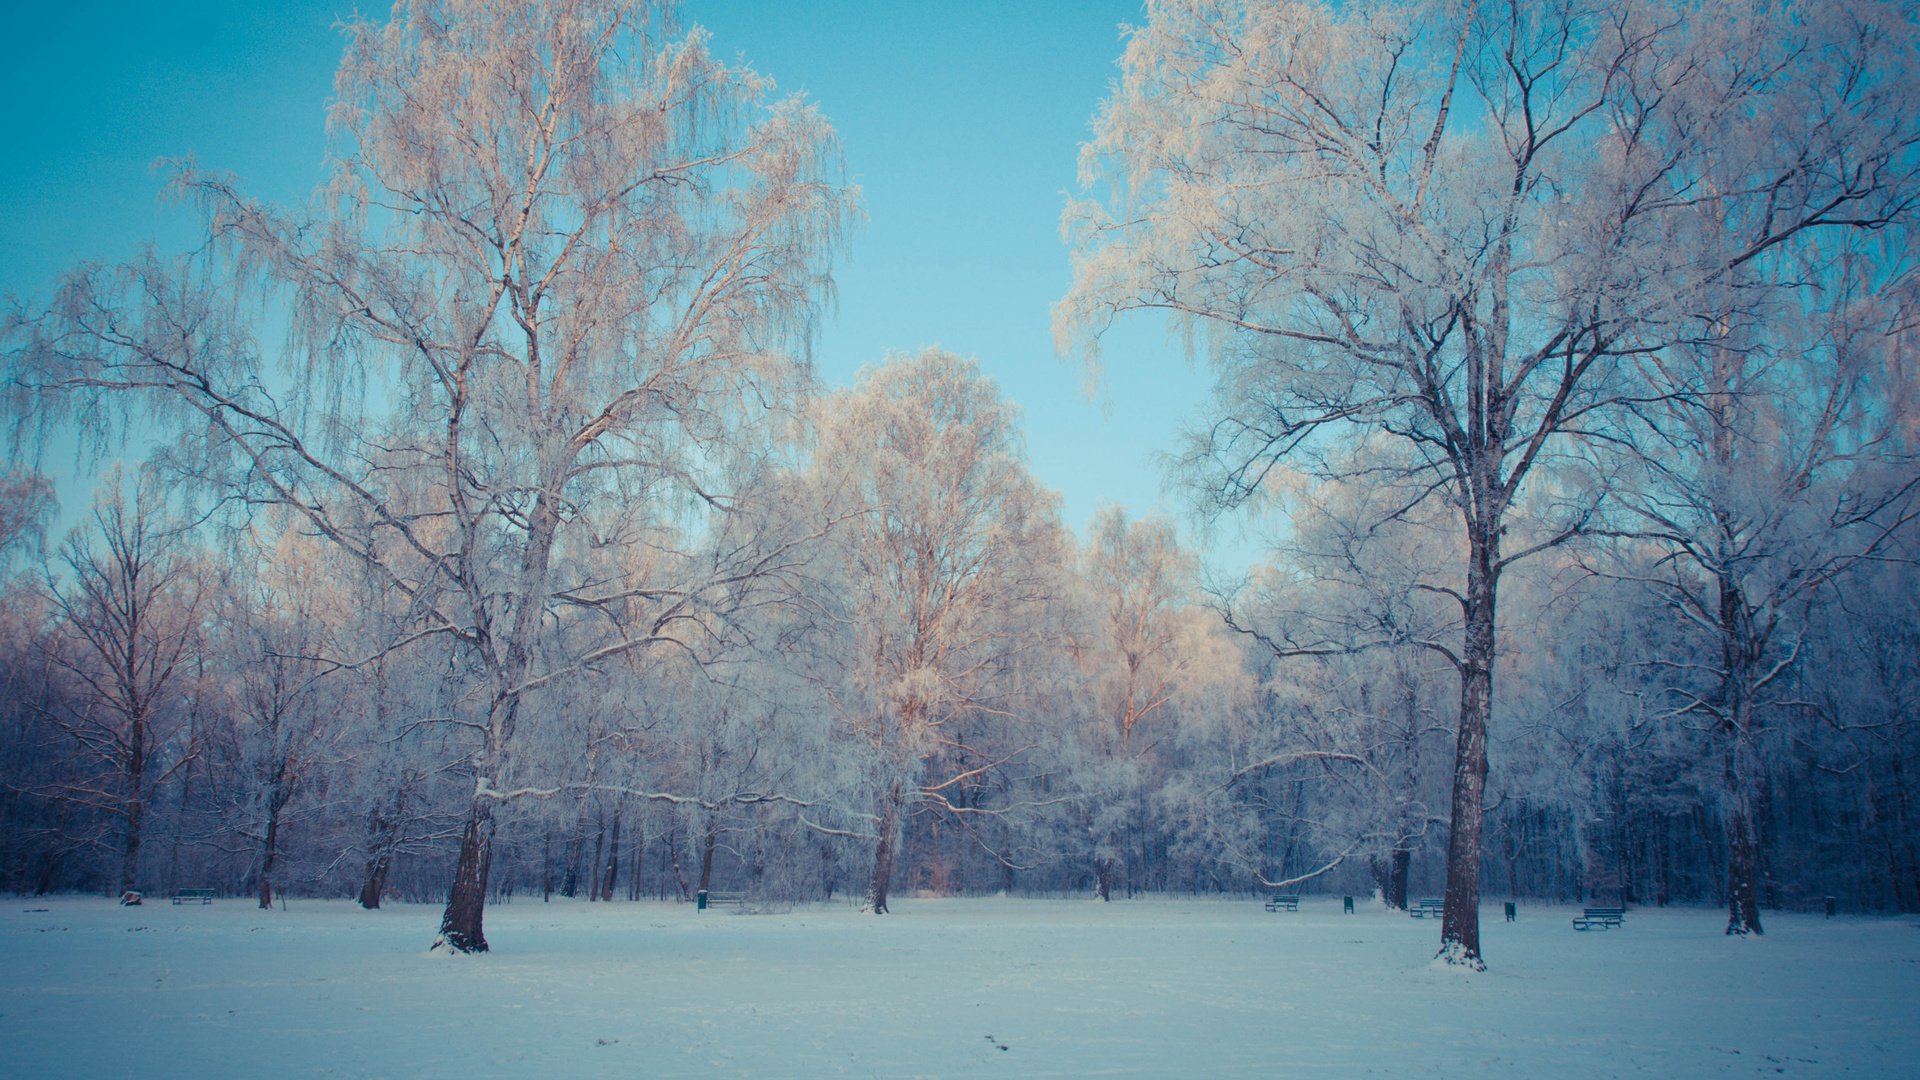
(1782, 467)
(1143, 651)
(279, 605)
(1351, 623)
(559, 287)
(1457, 226)
(126, 603)
(950, 553)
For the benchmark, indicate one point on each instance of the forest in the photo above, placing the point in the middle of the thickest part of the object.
(490, 536)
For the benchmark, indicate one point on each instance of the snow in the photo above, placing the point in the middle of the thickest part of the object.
(942, 988)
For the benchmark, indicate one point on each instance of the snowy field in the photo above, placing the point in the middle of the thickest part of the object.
(957, 988)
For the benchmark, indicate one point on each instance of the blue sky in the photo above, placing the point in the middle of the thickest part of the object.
(961, 121)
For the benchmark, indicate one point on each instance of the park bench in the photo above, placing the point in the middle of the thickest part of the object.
(1287, 903)
(193, 896)
(704, 899)
(1602, 917)
(1427, 906)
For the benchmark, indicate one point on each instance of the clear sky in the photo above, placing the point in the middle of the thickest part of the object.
(961, 121)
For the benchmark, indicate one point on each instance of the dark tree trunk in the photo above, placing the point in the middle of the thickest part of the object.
(1103, 878)
(1510, 847)
(383, 840)
(1399, 863)
(460, 927)
(576, 843)
(269, 856)
(636, 860)
(709, 839)
(1460, 922)
(1743, 905)
(593, 868)
(1743, 846)
(673, 857)
(1740, 657)
(374, 885)
(546, 865)
(613, 861)
(1663, 869)
(883, 852)
(136, 806)
(130, 854)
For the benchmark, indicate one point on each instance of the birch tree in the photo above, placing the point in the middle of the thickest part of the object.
(1455, 225)
(561, 282)
(950, 548)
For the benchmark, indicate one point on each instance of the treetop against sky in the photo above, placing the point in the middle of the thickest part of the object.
(961, 123)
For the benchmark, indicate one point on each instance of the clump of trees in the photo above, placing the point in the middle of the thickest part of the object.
(1505, 241)
(1570, 346)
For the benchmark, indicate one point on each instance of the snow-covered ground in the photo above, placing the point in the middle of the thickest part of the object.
(991, 987)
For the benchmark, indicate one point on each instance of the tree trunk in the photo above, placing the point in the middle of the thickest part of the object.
(593, 868)
(130, 853)
(613, 861)
(709, 839)
(374, 885)
(466, 906)
(1663, 872)
(1743, 847)
(636, 860)
(1460, 923)
(383, 840)
(546, 864)
(1740, 656)
(883, 852)
(673, 857)
(1398, 864)
(136, 803)
(576, 843)
(269, 855)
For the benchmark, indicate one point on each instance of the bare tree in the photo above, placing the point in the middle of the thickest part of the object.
(1456, 226)
(1145, 650)
(126, 604)
(576, 259)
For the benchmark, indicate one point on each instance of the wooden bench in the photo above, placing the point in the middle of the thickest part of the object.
(704, 900)
(193, 896)
(1427, 907)
(1284, 903)
(1602, 917)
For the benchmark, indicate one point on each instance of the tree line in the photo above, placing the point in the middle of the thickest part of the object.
(497, 541)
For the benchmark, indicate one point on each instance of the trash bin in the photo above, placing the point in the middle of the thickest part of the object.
(1830, 907)
(700, 900)
(1349, 905)
(1510, 911)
